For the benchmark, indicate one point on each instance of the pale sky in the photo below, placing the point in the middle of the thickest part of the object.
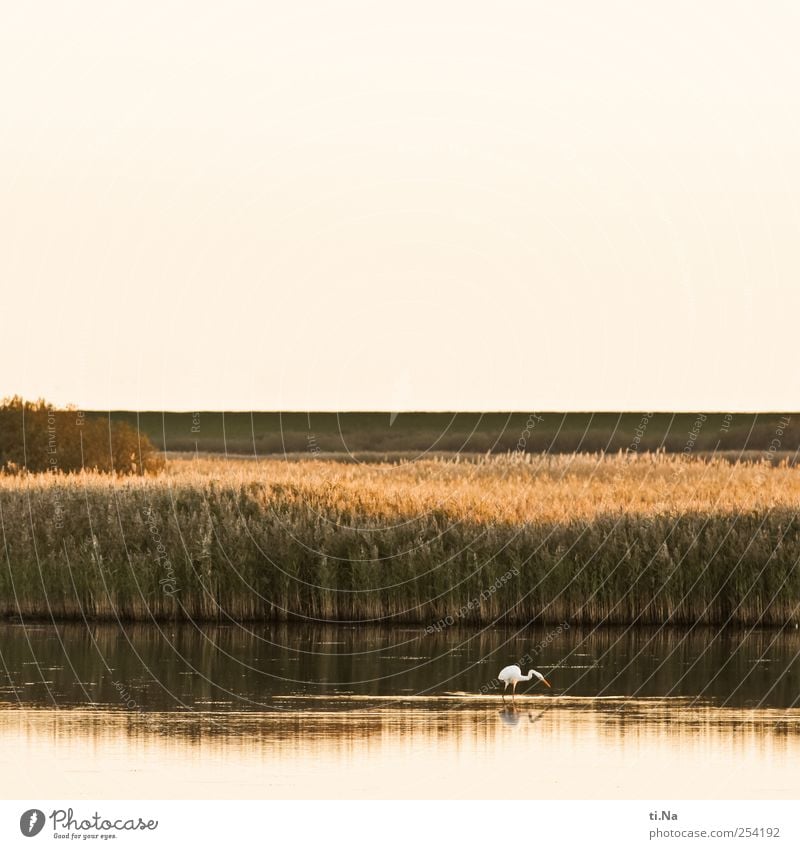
(420, 205)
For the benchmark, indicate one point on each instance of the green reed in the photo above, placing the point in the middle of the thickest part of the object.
(584, 538)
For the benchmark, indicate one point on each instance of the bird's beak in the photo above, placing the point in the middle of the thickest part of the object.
(545, 681)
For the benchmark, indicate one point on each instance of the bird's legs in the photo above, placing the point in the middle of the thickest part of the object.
(504, 692)
(513, 691)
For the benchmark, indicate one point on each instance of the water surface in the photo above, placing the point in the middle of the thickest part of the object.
(294, 711)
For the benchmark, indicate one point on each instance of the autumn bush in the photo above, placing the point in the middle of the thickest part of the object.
(37, 437)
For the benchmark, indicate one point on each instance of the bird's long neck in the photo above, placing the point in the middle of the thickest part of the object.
(529, 675)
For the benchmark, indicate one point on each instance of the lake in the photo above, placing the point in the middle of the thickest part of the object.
(296, 711)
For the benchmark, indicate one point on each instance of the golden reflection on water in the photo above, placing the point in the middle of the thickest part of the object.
(451, 747)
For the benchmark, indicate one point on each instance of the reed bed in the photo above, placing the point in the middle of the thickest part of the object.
(644, 538)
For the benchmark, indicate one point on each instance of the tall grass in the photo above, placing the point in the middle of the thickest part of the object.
(648, 538)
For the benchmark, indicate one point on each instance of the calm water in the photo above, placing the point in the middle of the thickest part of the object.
(296, 711)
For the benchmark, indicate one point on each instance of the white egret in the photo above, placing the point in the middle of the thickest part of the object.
(513, 675)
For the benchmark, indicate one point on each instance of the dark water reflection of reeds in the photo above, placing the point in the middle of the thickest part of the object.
(298, 712)
(163, 668)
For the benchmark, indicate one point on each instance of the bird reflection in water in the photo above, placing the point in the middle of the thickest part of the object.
(511, 716)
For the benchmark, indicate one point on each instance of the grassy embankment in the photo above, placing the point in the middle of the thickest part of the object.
(648, 539)
(260, 433)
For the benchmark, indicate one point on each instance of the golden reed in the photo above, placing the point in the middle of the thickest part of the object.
(643, 538)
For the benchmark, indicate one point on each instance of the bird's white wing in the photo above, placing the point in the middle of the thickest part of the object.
(508, 673)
